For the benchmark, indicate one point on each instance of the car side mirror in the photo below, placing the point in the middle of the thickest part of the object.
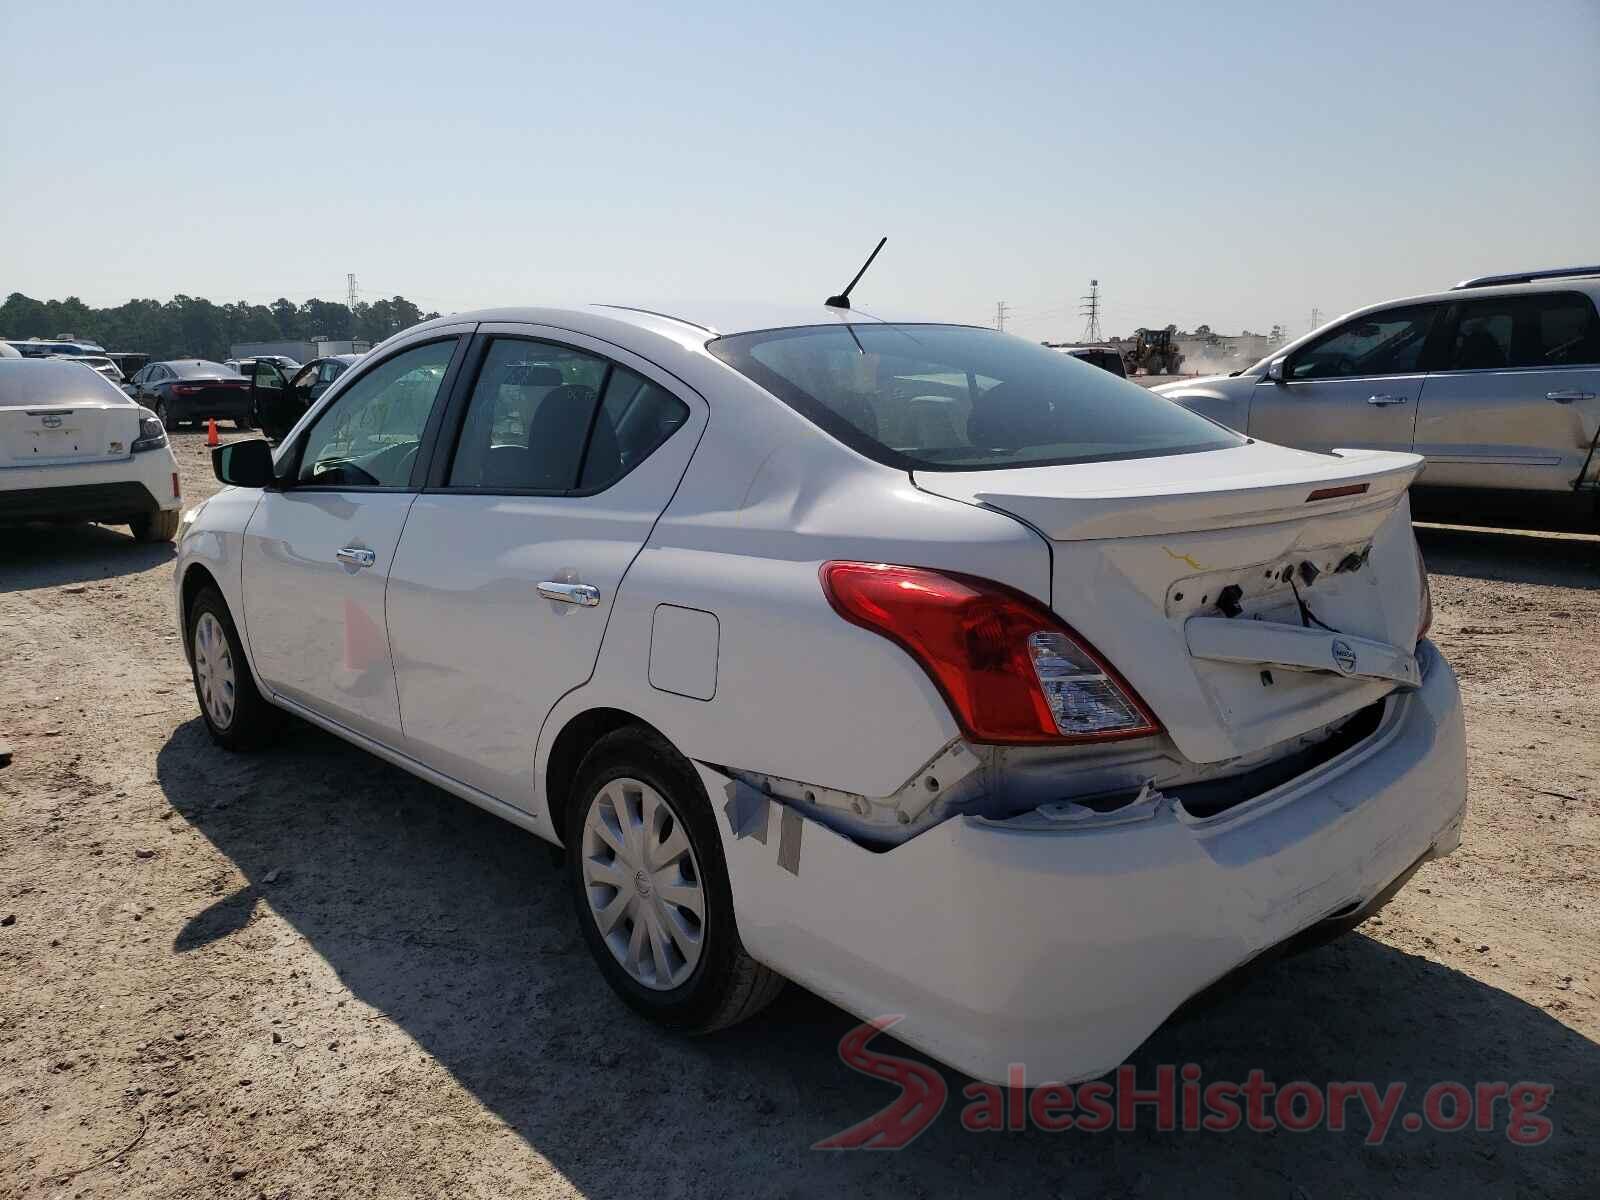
(1278, 370)
(244, 464)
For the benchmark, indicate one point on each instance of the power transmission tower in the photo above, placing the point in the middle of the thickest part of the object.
(1000, 315)
(353, 292)
(1316, 317)
(1091, 312)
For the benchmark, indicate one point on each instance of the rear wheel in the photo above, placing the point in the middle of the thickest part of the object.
(155, 527)
(650, 886)
(164, 415)
(234, 710)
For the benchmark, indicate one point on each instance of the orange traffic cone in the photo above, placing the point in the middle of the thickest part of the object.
(211, 432)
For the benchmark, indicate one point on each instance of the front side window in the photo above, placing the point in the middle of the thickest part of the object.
(954, 398)
(369, 436)
(1385, 343)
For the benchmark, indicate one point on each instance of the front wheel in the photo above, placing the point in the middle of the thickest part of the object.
(234, 710)
(159, 526)
(651, 891)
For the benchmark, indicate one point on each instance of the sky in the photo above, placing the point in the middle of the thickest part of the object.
(1233, 164)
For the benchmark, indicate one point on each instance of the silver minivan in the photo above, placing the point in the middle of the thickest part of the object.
(1496, 382)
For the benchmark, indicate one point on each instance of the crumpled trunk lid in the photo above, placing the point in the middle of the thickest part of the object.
(1142, 548)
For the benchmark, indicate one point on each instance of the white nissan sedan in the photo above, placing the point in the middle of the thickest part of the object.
(944, 674)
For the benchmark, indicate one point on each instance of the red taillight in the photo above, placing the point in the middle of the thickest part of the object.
(186, 389)
(1011, 672)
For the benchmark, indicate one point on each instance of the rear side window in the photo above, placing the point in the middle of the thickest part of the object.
(1552, 330)
(555, 420)
(635, 417)
(954, 398)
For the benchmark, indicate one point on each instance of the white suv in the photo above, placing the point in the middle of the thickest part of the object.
(1496, 383)
(73, 447)
(942, 673)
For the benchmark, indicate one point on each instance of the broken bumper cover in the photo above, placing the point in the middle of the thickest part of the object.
(1063, 949)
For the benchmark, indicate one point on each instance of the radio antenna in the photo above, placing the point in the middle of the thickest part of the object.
(842, 300)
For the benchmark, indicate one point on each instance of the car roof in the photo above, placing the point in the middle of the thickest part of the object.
(712, 318)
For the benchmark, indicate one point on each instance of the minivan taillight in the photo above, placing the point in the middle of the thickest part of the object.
(1010, 670)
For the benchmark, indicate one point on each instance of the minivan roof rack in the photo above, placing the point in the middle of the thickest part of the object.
(1525, 277)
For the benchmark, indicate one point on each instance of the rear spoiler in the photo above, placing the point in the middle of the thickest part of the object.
(1067, 506)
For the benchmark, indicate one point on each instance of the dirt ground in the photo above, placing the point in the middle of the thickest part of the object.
(305, 973)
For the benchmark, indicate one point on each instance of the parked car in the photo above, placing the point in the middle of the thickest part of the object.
(279, 398)
(95, 362)
(240, 364)
(192, 389)
(940, 672)
(127, 361)
(1496, 383)
(41, 348)
(1107, 358)
(73, 447)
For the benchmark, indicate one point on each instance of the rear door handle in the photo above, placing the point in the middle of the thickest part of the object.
(1568, 397)
(1381, 401)
(584, 594)
(356, 557)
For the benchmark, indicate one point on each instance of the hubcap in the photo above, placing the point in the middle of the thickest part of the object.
(213, 670)
(643, 883)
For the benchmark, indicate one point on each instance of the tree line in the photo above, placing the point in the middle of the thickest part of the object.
(191, 327)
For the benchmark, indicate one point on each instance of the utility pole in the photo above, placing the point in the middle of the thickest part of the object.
(1091, 313)
(352, 292)
(1000, 315)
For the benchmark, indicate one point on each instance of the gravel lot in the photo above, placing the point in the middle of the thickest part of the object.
(305, 973)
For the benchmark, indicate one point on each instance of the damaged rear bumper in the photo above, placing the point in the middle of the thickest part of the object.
(1064, 947)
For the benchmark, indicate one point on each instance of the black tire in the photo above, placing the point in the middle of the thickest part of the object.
(159, 526)
(164, 415)
(727, 985)
(243, 423)
(254, 722)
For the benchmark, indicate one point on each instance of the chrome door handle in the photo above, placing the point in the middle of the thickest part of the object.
(1568, 397)
(356, 557)
(571, 593)
(1381, 401)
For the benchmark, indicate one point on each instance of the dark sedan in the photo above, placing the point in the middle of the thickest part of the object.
(192, 389)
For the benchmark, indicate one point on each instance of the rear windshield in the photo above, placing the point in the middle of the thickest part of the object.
(33, 382)
(199, 368)
(955, 398)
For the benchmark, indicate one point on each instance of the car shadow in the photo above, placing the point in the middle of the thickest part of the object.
(459, 929)
(41, 556)
(1511, 556)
